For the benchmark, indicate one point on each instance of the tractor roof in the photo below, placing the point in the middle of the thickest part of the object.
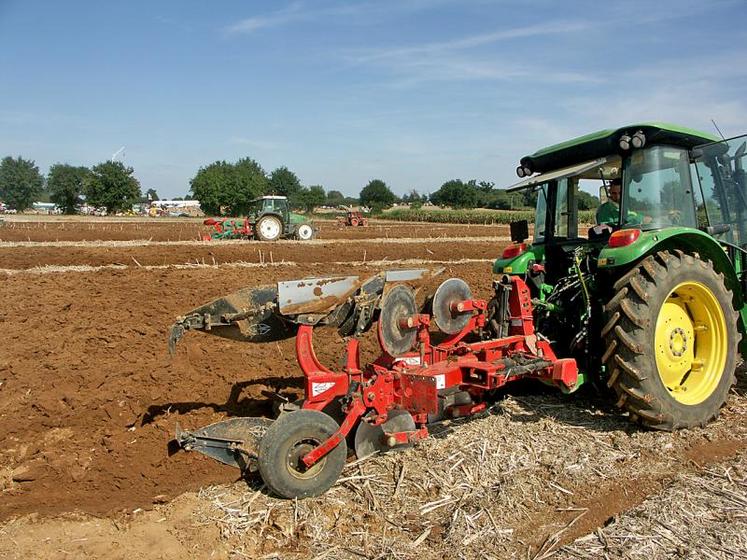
(604, 143)
(270, 197)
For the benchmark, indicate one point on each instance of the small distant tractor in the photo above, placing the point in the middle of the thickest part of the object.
(352, 218)
(268, 219)
(649, 303)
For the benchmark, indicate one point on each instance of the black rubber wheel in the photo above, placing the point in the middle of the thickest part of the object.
(268, 228)
(671, 341)
(286, 441)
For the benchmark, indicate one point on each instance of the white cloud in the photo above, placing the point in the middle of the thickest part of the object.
(267, 145)
(293, 12)
(473, 41)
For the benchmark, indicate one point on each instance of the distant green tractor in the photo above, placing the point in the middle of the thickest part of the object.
(268, 219)
(650, 303)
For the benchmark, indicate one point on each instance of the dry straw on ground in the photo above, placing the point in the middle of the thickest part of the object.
(519, 482)
(700, 516)
(57, 269)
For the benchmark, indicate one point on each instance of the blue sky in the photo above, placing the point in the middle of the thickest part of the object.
(414, 92)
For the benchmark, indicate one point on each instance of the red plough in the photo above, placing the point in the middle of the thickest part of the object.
(423, 374)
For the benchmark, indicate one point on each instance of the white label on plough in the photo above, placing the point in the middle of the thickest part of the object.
(319, 388)
(440, 381)
(409, 361)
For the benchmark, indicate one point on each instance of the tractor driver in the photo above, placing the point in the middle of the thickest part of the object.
(609, 212)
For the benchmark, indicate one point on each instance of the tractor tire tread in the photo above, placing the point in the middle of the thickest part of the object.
(628, 336)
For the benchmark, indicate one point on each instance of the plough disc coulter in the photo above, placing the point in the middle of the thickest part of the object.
(442, 360)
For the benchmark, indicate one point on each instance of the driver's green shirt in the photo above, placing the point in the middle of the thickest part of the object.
(608, 213)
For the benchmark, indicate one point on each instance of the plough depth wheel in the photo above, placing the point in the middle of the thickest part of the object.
(283, 447)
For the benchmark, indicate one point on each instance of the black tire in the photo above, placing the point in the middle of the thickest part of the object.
(290, 437)
(268, 228)
(630, 333)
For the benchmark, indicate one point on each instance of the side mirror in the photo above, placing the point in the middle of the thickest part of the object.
(519, 231)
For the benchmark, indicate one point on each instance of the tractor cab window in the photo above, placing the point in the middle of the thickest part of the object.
(255, 206)
(540, 216)
(723, 187)
(263, 205)
(561, 222)
(657, 190)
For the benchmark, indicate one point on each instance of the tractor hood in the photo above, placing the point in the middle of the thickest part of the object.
(297, 218)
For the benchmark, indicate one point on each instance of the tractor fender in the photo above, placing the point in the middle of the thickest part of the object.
(278, 215)
(263, 214)
(519, 264)
(684, 239)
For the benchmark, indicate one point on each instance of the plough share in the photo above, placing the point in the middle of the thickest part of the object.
(423, 374)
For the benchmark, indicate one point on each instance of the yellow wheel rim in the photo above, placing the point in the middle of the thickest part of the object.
(690, 343)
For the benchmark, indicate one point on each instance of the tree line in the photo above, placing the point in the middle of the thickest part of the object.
(224, 187)
(110, 185)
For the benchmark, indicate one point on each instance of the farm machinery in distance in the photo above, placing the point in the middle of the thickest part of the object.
(650, 304)
(268, 219)
(352, 218)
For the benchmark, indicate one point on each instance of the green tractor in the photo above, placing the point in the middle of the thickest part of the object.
(268, 219)
(650, 302)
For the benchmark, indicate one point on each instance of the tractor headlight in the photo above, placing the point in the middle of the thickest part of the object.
(638, 140)
(624, 142)
(520, 171)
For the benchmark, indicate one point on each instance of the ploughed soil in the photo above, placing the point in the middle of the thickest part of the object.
(53, 228)
(90, 396)
(361, 251)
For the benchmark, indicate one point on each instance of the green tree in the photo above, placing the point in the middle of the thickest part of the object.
(113, 186)
(335, 198)
(212, 184)
(529, 197)
(250, 181)
(284, 182)
(312, 197)
(457, 194)
(20, 182)
(377, 195)
(228, 185)
(587, 201)
(66, 184)
(151, 195)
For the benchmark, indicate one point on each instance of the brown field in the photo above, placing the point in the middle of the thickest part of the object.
(89, 399)
(63, 228)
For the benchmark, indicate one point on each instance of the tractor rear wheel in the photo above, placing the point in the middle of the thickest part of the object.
(268, 228)
(671, 338)
(285, 443)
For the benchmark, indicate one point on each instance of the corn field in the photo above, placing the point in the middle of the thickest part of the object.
(501, 217)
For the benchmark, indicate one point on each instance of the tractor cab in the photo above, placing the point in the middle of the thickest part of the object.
(672, 180)
(269, 205)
